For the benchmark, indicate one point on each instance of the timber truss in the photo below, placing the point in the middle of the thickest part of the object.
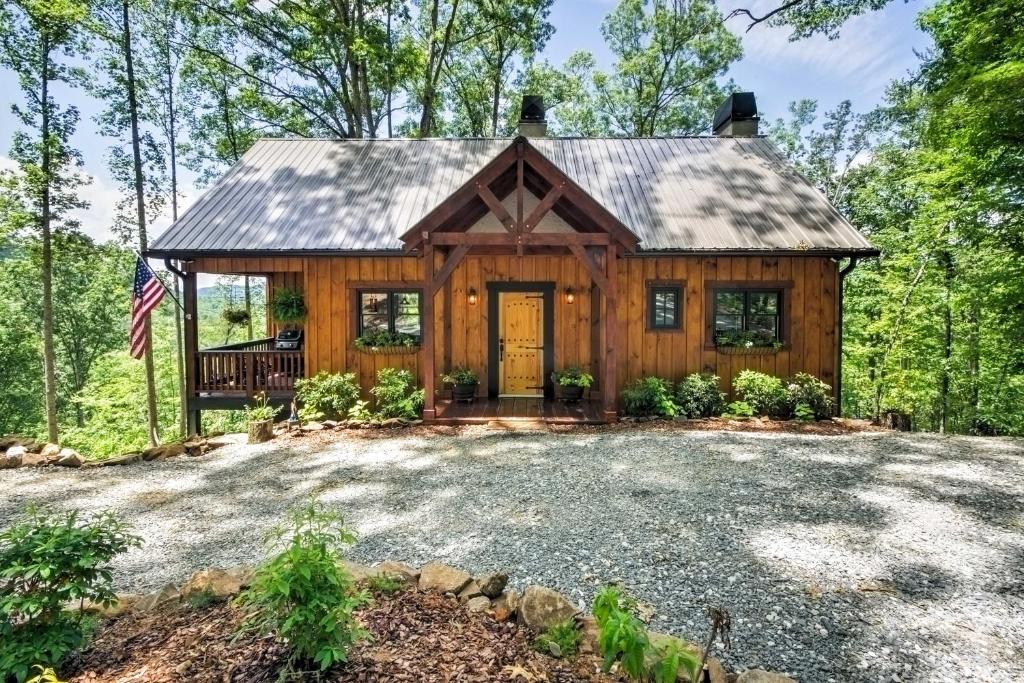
(444, 240)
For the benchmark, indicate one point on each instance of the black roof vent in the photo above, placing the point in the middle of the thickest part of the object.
(533, 108)
(739, 106)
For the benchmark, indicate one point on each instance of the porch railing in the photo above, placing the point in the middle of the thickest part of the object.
(248, 368)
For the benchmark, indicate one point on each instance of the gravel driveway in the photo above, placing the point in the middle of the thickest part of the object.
(867, 557)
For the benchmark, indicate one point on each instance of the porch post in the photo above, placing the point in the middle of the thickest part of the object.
(610, 335)
(429, 411)
(191, 333)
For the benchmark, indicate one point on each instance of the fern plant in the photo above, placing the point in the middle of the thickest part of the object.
(288, 306)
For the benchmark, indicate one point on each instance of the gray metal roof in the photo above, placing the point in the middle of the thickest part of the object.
(686, 194)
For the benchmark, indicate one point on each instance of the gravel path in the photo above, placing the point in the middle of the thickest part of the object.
(793, 534)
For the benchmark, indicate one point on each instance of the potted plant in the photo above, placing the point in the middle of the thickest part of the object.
(383, 341)
(739, 342)
(463, 382)
(288, 306)
(259, 418)
(573, 381)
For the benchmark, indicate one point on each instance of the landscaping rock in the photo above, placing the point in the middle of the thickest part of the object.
(219, 583)
(151, 601)
(359, 572)
(50, 450)
(329, 424)
(13, 457)
(69, 457)
(492, 584)
(393, 423)
(312, 427)
(478, 604)
(126, 459)
(506, 605)
(589, 633)
(761, 676)
(33, 460)
(542, 608)
(470, 592)
(442, 578)
(169, 450)
(398, 570)
(124, 603)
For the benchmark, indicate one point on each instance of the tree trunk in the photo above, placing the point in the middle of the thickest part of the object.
(390, 71)
(179, 347)
(140, 205)
(947, 340)
(49, 354)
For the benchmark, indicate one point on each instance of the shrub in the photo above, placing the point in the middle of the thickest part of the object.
(48, 560)
(669, 659)
(460, 375)
(810, 391)
(384, 339)
(560, 640)
(327, 396)
(573, 377)
(803, 412)
(395, 395)
(649, 396)
(739, 409)
(288, 306)
(699, 396)
(621, 636)
(302, 595)
(387, 585)
(261, 409)
(765, 394)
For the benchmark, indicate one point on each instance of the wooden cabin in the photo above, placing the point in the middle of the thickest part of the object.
(519, 257)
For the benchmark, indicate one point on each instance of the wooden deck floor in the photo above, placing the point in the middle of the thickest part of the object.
(484, 410)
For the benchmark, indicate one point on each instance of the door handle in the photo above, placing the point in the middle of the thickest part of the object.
(501, 349)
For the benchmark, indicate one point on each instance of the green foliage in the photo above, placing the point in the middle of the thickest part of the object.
(803, 412)
(460, 375)
(621, 636)
(574, 376)
(766, 394)
(302, 595)
(384, 339)
(670, 658)
(649, 396)
(395, 395)
(746, 338)
(48, 560)
(288, 306)
(739, 409)
(360, 411)
(807, 390)
(44, 675)
(699, 396)
(327, 396)
(387, 585)
(203, 599)
(261, 409)
(559, 640)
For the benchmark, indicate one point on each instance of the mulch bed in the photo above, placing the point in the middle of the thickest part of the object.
(417, 636)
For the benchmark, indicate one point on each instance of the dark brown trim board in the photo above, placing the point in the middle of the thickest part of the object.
(680, 306)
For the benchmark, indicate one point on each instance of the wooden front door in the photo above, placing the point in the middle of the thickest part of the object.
(521, 344)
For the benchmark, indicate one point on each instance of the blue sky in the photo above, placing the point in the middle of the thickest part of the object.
(870, 52)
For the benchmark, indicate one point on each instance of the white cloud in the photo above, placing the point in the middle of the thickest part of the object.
(98, 218)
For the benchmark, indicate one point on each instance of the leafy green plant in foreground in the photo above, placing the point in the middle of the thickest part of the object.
(302, 595)
(559, 640)
(326, 396)
(47, 561)
(396, 395)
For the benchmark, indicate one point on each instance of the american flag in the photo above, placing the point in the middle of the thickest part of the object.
(146, 294)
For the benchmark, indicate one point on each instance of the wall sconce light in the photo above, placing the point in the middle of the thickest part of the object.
(472, 297)
(570, 296)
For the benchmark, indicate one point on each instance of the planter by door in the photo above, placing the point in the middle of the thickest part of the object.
(572, 394)
(464, 392)
(260, 431)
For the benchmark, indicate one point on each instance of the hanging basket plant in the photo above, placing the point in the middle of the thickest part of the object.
(235, 316)
(288, 306)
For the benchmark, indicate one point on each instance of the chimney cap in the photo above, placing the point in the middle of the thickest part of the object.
(533, 108)
(739, 106)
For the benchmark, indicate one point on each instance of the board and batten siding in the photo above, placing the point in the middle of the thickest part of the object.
(329, 284)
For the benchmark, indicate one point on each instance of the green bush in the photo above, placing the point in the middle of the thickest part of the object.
(803, 412)
(302, 595)
(326, 396)
(811, 392)
(395, 395)
(460, 375)
(573, 376)
(49, 560)
(699, 396)
(738, 409)
(766, 394)
(288, 306)
(649, 396)
(559, 640)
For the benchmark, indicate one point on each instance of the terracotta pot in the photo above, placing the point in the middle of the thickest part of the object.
(260, 431)
(464, 392)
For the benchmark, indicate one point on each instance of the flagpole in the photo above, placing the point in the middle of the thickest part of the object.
(167, 289)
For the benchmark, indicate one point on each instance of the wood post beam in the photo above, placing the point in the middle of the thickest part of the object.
(190, 297)
(541, 209)
(450, 264)
(429, 409)
(611, 322)
(599, 278)
(496, 207)
(544, 239)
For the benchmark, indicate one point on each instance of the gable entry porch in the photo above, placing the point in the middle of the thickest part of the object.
(521, 214)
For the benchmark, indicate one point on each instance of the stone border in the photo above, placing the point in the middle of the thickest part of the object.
(22, 451)
(537, 608)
